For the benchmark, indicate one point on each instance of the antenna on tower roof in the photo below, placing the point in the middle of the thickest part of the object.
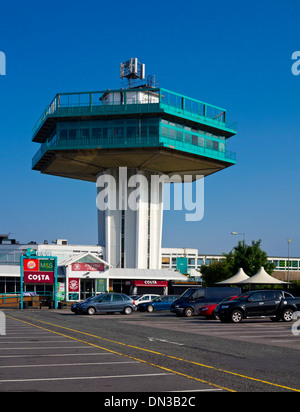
(132, 70)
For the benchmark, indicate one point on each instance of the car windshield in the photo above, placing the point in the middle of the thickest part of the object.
(228, 299)
(244, 297)
(90, 298)
(187, 293)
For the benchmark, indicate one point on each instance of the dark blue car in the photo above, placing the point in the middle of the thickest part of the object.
(160, 303)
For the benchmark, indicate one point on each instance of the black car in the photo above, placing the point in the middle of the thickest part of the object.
(194, 298)
(274, 304)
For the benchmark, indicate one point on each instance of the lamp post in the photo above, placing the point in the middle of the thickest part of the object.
(288, 278)
(240, 234)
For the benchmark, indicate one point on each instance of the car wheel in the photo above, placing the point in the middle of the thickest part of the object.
(150, 308)
(188, 312)
(287, 315)
(236, 316)
(91, 311)
(128, 310)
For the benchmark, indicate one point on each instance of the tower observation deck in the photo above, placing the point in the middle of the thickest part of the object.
(146, 129)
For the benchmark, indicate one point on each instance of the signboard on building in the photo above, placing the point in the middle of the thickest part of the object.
(38, 270)
(101, 285)
(155, 283)
(182, 265)
(73, 285)
(88, 267)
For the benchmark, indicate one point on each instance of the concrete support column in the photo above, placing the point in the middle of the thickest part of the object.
(130, 216)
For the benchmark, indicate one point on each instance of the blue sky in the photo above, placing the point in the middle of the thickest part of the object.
(231, 54)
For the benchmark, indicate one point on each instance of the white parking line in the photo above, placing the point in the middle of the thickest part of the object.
(67, 364)
(262, 336)
(48, 347)
(84, 378)
(39, 341)
(197, 390)
(56, 355)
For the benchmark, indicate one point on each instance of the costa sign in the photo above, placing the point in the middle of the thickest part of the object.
(157, 283)
(38, 277)
(38, 271)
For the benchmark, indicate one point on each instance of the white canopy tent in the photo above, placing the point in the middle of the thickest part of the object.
(239, 277)
(262, 278)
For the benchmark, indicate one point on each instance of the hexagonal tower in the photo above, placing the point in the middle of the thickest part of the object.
(144, 128)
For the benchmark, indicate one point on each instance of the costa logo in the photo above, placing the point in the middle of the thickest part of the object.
(150, 282)
(39, 278)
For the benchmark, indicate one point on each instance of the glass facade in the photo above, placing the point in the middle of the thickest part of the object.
(192, 135)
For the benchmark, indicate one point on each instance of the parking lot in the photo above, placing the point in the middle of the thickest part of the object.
(256, 331)
(55, 350)
(34, 359)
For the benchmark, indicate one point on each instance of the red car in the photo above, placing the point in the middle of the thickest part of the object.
(208, 310)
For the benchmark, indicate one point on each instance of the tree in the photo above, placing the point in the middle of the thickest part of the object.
(215, 272)
(250, 258)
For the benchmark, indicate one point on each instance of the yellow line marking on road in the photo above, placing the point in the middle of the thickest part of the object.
(118, 353)
(157, 353)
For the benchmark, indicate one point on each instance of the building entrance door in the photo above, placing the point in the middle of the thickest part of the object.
(87, 288)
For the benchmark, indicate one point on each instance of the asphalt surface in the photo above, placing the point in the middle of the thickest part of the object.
(55, 350)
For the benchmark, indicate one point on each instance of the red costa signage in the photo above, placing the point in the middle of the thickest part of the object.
(38, 277)
(157, 283)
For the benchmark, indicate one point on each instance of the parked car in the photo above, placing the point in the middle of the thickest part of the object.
(106, 303)
(74, 306)
(160, 303)
(274, 304)
(192, 299)
(208, 310)
(143, 298)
